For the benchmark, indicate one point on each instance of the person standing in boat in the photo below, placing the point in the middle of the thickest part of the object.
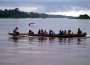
(16, 30)
(79, 31)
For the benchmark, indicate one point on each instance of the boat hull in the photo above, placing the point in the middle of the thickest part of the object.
(48, 35)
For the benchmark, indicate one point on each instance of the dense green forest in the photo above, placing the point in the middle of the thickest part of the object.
(16, 13)
(85, 16)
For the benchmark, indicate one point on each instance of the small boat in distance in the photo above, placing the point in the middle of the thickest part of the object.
(49, 35)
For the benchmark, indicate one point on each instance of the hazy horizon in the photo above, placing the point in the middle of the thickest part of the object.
(57, 7)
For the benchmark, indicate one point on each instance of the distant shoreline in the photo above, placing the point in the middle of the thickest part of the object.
(16, 13)
(78, 18)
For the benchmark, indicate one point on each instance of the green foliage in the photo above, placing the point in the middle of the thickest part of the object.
(16, 13)
(84, 16)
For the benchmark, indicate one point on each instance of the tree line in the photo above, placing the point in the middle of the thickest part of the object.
(16, 13)
(85, 16)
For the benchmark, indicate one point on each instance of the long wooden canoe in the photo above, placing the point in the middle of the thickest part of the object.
(48, 35)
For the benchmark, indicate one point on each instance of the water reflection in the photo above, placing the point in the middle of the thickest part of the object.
(47, 39)
(14, 39)
(31, 39)
(65, 40)
(42, 39)
(51, 39)
(78, 40)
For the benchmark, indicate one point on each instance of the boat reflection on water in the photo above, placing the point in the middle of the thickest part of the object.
(31, 39)
(65, 40)
(79, 40)
(14, 39)
(51, 39)
(48, 39)
(42, 39)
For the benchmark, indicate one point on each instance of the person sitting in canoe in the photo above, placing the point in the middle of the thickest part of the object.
(16, 30)
(39, 32)
(45, 32)
(51, 32)
(69, 31)
(31, 32)
(79, 31)
(60, 32)
(42, 32)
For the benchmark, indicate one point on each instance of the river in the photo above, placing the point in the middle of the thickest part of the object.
(44, 50)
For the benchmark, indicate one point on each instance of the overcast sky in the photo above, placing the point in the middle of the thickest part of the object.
(62, 7)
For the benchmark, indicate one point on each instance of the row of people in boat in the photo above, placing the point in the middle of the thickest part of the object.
(61, 32)
(51, 32)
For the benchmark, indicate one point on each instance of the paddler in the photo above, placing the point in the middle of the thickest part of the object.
(16, 30)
